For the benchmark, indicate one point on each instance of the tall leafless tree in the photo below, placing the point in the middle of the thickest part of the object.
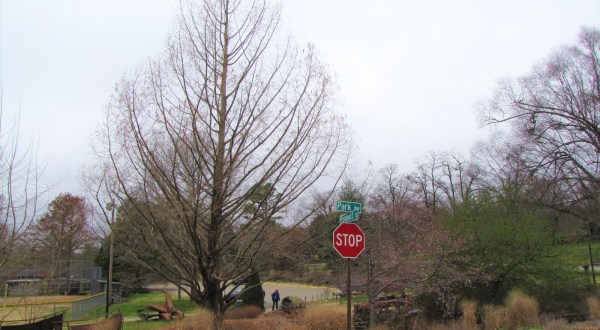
(193, 136)
(555, 113)
(19, 187)
(444, 179)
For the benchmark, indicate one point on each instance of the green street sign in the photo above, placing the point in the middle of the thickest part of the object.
(348, 206)
(349, 217)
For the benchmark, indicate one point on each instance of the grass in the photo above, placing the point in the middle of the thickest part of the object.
(243, 312)
(580, 253)
(324, 317)
(321, 317)
(593, 308)
(25, 307)
(131, 304)
(493, 316)
(469, 318)
(311, 268)
(141, 325)
(521, 311)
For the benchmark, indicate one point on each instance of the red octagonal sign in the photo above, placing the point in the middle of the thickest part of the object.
(349, 240)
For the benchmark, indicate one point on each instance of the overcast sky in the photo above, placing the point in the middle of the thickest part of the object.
(410, 72)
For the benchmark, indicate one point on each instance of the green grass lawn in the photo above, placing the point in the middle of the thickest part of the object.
(130, 305)
(142, 325)
(580, 253)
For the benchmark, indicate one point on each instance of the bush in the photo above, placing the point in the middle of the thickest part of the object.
(521, 311)
(255, 294)
(428, 301)
(564, 294)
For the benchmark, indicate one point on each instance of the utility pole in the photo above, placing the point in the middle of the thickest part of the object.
(110, 260)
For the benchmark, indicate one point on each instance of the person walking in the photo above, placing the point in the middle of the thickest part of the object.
(275, 298)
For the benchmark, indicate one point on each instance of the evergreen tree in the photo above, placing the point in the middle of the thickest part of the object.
(255, 294)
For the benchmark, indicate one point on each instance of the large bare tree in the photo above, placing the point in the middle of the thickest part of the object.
(555, 113)
(19, 189)
(224, 115)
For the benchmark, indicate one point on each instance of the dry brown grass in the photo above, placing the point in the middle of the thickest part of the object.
(493, 317)
(114, 322)
(321, 317)
(201, 320)
(593, 304)
(27, 307)
(263, 323)
(324, 317)
(521, 311)
(20, 313)
(244, 312)
(445, 326)
(469, 318)
(558, 324)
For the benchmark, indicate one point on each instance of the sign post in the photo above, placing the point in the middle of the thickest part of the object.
(349, 242)
(349, 298)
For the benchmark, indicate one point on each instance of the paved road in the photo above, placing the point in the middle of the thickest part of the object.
(305, 292)
(302, 291)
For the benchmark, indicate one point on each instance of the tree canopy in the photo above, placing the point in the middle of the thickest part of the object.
(64, 229)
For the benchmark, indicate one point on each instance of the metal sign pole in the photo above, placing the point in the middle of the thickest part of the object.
(349, 298)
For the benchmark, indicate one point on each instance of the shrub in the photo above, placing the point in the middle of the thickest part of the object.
(521, 311)
(493, 317)
(255, 294)
(565, 294)
(428, 301)
(324, 317)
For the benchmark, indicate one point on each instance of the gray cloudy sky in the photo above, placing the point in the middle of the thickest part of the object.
(409, 72)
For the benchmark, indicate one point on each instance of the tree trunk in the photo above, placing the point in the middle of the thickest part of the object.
(215, 301)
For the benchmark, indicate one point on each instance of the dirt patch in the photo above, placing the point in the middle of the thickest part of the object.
(26, 307)
(32, 300)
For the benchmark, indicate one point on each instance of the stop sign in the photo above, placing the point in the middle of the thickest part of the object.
(348, 240)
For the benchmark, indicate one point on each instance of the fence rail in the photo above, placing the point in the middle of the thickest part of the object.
(77, 309)
(80, 308)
